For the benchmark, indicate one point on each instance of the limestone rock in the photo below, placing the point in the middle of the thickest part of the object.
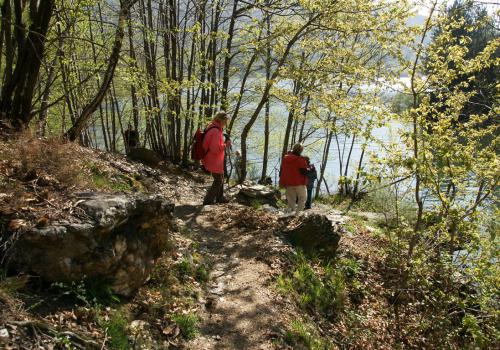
(116, 237)
(248, 194)
(314, 234)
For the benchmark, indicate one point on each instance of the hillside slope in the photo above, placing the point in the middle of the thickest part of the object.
(229, 279)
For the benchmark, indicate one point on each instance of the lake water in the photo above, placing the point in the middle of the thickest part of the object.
(313, 146)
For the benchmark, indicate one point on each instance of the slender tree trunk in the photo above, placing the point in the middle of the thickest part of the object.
(306, 109)
(346, 169)
(228, 57)
(42, 119)
(265, 95)
(267, 109)
(358, 174)
(324, 161)
(82, 121)
(297, 86)
(133, 67)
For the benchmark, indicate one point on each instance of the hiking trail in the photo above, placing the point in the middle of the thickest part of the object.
(240, 308)
(243, 309)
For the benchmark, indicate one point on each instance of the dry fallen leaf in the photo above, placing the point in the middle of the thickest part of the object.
(17, 224)
(171, 330)
(42, 222)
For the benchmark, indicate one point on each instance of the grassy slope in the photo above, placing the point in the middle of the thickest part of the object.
(347, 302)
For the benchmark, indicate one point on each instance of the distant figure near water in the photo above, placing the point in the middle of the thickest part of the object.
(293, 178)
(312, 175)
(131, 137)
(237, 165)
(213, 160)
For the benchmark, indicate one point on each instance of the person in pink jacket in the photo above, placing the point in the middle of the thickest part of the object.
(214, 145)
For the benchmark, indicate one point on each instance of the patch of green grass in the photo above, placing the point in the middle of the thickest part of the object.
(323, 291)
(199, 270)
(185, 231)
(11, 285)
(350, 267)
(103, 180)
(281, 204)
(380, 200)
(3, 180)
(350, 227)
(202, 273)
(188, 324)
(118, 183)
(255, 204)
(303, 335)
(185, 268)
(116, 330)
(351, 270)
(322, 288)
(63, 342)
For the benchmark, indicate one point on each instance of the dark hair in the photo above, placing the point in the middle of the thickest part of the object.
(297, 149)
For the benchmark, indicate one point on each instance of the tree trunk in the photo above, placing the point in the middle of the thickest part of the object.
(267, 110)
(18, 87)
(346, 169)
(133, 66)
(82, 121)
(324, 161)
(228, 57)
(358, 174)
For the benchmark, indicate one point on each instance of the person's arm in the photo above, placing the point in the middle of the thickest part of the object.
(304, 168)
(281, 182)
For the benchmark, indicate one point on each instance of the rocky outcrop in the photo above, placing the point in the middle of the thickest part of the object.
(314, 234)
(251, 194)
(145, 156)
(116, 237)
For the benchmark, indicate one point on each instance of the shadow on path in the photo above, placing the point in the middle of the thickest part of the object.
(241, 311)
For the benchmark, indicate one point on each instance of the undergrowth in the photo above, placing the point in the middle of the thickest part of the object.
(90, 291)
(105, 181)
(188, 324)
(115, 327)
(31, 158)
(196, 267)
(320, 286)
(62, 165)
(301, 335)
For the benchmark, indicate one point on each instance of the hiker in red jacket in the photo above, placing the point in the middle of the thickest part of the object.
(293, 178)
(213, 161)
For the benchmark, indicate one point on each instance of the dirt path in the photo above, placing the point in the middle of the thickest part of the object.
(241, 309)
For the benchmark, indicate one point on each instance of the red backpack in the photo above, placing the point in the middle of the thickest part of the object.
(197, 151)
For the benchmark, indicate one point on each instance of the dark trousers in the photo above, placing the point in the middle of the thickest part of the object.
(216, 192)
(309, 197)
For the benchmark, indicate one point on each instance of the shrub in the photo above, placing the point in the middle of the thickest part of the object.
(255, 204)
(199, 270)
(301, 335)
(104, 181)
(188, 324)
(322, 291)
(202, 273)
(90, 291)
(31, 158)
(116, 330)
(185, 268)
